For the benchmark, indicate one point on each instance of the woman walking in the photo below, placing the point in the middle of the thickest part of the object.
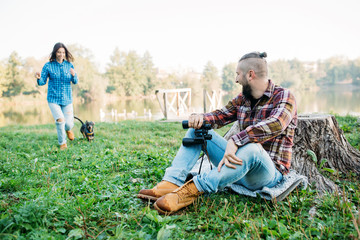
(61, 73)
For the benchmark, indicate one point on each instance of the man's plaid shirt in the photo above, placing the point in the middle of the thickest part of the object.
(271, 122)
(60, 78)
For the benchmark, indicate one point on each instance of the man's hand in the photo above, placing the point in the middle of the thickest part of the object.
(72, 72)
(196, 120)
(37, 75)
(229, 156)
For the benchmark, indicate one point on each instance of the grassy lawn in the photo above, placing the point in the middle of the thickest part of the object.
(89, 191)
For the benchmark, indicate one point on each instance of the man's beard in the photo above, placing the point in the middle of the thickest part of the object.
(246, 91)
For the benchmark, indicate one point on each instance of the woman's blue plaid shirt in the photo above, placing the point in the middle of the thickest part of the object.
(60, 79)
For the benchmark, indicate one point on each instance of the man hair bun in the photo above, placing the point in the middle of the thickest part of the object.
(254, 55)
(263, 55)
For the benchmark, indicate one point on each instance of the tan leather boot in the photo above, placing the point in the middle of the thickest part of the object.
(70, 135)
(179, 198)
(162, 188)
(63, 146)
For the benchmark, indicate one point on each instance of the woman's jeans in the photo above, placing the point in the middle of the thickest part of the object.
(257, 170)
(66, 113)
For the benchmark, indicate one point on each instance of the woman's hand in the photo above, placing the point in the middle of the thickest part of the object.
(72, 72)
(37, 75)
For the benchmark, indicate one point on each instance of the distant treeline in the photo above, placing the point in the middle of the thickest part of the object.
(131, 74)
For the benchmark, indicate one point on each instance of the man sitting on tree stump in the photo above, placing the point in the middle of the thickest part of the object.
(258, 156)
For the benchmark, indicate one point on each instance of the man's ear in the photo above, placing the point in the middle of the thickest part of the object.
(252, 74)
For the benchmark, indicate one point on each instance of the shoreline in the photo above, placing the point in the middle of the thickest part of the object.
(30, 100)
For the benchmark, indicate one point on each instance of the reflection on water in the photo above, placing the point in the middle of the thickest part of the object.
(26, 113)
(334, 101)
(331, 101)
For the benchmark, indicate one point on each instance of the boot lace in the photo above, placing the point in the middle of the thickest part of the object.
(186, 191)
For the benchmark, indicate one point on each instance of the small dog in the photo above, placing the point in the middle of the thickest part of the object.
(87, 129)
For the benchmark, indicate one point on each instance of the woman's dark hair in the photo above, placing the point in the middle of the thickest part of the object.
(68, 55)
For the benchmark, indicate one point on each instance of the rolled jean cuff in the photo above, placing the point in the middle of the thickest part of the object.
(174, 181)
(197, 185)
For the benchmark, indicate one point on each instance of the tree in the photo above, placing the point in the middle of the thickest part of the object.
(3, 80)
(113, 73)
(92, 84)
(149, 74)
(211, 79)
(291, 74)
(228, 77)
(13, 77)
(170, 81)
(32, 65)
(336, 70)
(355, 71)
(280, 72)
(301, 76)
(320, 146)
(130, 75)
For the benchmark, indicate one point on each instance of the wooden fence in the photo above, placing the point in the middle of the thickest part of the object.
(178, 101)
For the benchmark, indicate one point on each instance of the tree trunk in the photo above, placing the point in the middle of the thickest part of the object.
(321, 134)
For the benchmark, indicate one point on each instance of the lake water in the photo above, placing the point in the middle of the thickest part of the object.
(341, 101)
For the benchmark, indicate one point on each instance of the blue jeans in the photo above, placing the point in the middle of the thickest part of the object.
(257, 171)
(67, 114)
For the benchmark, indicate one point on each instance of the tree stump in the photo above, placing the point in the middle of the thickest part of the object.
(321, 134)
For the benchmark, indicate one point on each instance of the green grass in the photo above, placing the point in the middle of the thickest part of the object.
(351, 127)
(89, 191)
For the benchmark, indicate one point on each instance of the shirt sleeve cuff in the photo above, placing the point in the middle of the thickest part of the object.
(241, 138)
(209, 118)
(206, 117)
(75, 78)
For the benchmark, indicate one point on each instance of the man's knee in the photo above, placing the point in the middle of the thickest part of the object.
(60, 120)
(249, 150)
(253, 147)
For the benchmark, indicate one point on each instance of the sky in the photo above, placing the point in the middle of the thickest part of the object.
(183, 34)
